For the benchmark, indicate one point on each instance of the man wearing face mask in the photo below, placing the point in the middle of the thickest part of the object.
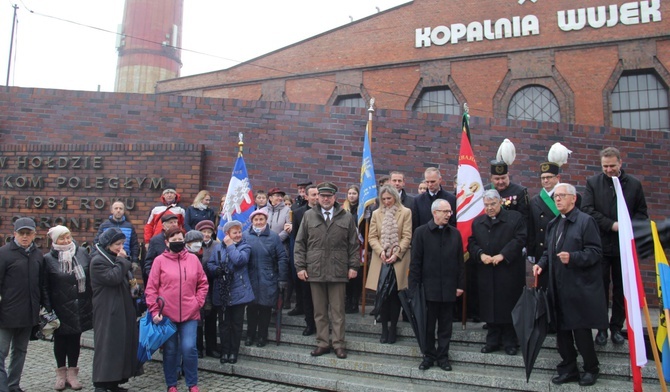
(207, 229)
(157, 244)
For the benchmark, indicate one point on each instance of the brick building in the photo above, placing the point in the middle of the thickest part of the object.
(592, 62)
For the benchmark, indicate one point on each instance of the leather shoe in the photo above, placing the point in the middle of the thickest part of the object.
(249, 342)
(232, 358)
(565, 378)
(393, 334)
(426, 364)
(213, 354)
(224, 358)
(617, 338)
(601, 338)
(341, 353)
(489, 349)
(262, 342)
(588, 379)
(510, 350)
(319, 351)
(309, 330)
(295, 312)
(445, 365)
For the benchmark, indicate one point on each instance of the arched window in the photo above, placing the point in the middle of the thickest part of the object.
(640, 101)
(353, 101)
(437, 100)
(534, 103)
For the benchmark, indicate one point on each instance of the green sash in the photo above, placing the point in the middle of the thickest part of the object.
(549, 202)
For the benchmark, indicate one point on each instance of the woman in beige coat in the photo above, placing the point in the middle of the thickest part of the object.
(390, 237)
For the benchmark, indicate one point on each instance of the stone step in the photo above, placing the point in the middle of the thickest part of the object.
(612, 363)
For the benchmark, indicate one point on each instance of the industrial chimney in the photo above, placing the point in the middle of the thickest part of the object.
(148, 44)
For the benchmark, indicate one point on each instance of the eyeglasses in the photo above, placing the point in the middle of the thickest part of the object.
(25, 233)
(326, 196)
(448, 212)
(561, 195)
(490, 205)
(547, 178)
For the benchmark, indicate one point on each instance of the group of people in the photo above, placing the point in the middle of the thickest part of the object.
(312, 246)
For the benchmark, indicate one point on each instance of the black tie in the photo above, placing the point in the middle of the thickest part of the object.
(327, 217)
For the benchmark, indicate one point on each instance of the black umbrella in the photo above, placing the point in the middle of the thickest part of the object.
(280, 306)
(387, 280)
(530, 317)
(644, 241)
(414, 303)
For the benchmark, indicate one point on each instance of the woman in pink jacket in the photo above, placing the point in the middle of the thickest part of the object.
(177, 276)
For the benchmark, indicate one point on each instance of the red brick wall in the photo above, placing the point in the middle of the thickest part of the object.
(76, 184)
(575, 65)
(288, 142)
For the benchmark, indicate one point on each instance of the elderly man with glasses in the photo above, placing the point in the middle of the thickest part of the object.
(496, 247)
(571, 260)
(20, 267)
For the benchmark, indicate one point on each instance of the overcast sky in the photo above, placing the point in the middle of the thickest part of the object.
(52, 52)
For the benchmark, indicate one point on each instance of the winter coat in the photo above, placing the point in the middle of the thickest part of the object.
(20, 285)
(576, 288)
(403, 218)
(268, 265)
(131, 246)
(514, 198)
(74, 309)
(196, 215)
(437, 262)
(600, 202)
(181, 281)
(154, 224)
(499, 286)
(327, 252)
(540, 216)
(278, 216)
(156, 248)
(236, 259)
(114, 319)
(421, 213)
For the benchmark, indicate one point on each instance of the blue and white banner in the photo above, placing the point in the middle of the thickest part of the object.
(239, 200)
(368, 194)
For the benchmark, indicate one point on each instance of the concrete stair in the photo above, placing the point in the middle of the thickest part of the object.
(372, 366)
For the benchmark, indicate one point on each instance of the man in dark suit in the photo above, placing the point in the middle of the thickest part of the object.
(496, 249)
(600, 203)
(437, 263)
(514, 196)
(542, 211)
(398, 181)
(421, 212)
(572, 262)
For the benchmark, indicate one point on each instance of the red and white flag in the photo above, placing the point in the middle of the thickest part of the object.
(632, 288)
(469, 191)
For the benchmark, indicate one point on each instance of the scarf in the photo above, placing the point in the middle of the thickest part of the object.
(200, 206)
(389, 233)
(69, 265)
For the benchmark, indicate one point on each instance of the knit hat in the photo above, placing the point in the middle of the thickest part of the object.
(110, 236)
(57, 231)
(230, 225)
(275, 191)
(262, 211)
(193, 236)
(206, 224)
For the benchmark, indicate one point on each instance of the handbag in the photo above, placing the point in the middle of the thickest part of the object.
(49, 323)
